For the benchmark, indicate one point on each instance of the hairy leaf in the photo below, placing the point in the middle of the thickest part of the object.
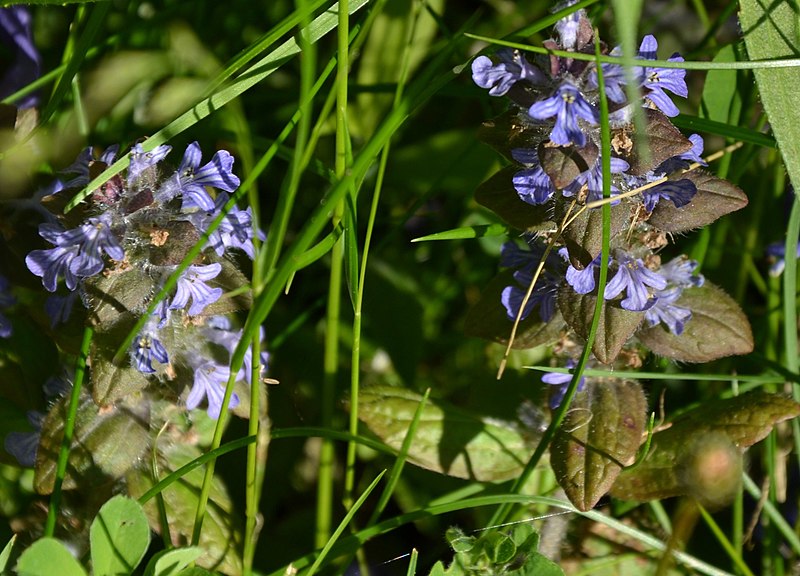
(715, 197)
(565, 163)
(488, 319)
(599, 436)
(448, 440)
(512, 129)
(221, 535)
(106, 442)
(113, 297)
(584, 236)
(499, 195)
(718, 328)
(673, 466)
(664, 139)
(615, 326)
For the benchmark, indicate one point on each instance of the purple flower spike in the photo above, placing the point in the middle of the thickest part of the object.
(533, 185)
(141, 160)
(146, 348)
(209, 382)
(567, 105)
(193, 284)
(634, 277)
(500, 77)
(679, 272)
(665, 310)
(24, 445)
(562, 381)
(656, 80)
(191, 179)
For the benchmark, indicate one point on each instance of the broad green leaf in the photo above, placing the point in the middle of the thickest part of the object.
(616, 325)
(680, 453)
(221, 535)
(172, 562)
(449, 440)
(720, 94)
(599, 436)
(111, 382)
(770, 31)
(565, 163)
(46, 557)
(119, 537)
(498, 195)
(107, 441)
(718, 328)
(488, 319)
(584, 235)
(664, 140)
(715, 197)
(512, 129)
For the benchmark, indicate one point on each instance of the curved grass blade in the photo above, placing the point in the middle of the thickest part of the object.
(477, 231)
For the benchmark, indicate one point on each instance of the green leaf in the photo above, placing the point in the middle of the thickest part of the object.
(664, 140)
(599, 436)
(512, 129)
(720, 94)
(107, 441)
(221, 535)
(584, 236)
(718, 328)
(769, 34)
(449, 440)
(715, 197)
(488, 319)
(691, 444)
(498, 195)
(6, 554)
(119, 537)
(615, 326)
(48, 556)
(172, 562)
(538, 565)
(477, 231)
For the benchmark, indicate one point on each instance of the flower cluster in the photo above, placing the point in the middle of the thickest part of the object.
(552, 134)
(138, 228)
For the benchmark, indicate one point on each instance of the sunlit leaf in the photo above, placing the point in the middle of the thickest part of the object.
(599, 436)
(172, 562)
(119, 537)
(48, 556)
(498, 195)
(449, 440)
(488, 319)
(615, 326)
(679, 453)
(718, 328)
(584, 235)
(715, 197)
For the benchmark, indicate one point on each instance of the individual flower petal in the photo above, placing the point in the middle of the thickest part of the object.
(562, 381)
(192, 284)
(210, 380)
(583, 281)
(634, 278)
(679, 192)
(566, 105)
(679, 272)
(543, 296)
(141, 160)
(50, 264)
(665, 311)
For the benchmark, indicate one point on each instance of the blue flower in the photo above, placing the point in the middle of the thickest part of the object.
(25, 67)
(665, 310)
(235, 230)
(569, 26)
(679, 192)
(210, 379)
(614, 78)
(582, 281)
(191, 179)
(83, 163)
(590, 181)
(679, 272)
(562, 381)
(93, 237)
(219, 331)
(656, 80)
(533, 185)
(543, 295)
(24, 445)
(567, 105)
(634, 278)
(192, 284)
(146, 348)
(500, 77)
(141, 160)
(50, 264)
(776, 252)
